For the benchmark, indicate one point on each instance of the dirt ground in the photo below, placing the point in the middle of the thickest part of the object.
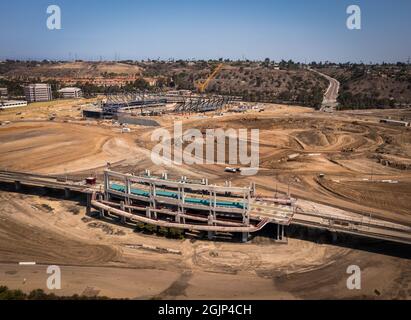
(99, 257)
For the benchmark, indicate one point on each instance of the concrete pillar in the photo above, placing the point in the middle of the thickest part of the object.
(244, 237)
(100, 197)
(210, 201)
(17, 185)
(88, 204)
(66, 193)
(183, 195)
(106, 184)
(182, 210)
(280, 234)
(153, 200)
(210, 223)
(148, 213)
(122, 207)
(180, 207)
(246, 210)
(244, 203)
(153, 195)
(215, 206)
(334, 237)
(128, 192)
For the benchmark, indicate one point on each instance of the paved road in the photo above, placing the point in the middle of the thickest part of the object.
(307, 214)
(38, 180)
(331, 95)
(316, 215)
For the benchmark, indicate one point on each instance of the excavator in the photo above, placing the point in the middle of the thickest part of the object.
(203, 86)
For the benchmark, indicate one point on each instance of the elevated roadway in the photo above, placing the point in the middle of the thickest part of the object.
(306, 214)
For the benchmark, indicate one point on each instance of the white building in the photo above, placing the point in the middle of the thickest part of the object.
(38, 92)
(7, 104)
(71, 93)
(396, 122)
(3, 92)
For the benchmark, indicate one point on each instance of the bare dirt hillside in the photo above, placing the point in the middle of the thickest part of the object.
(67, 69)
(105, 258)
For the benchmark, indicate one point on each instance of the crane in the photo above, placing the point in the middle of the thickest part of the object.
(203, 86)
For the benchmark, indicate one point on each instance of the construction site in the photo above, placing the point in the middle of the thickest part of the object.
(322, 191)
(79, 189)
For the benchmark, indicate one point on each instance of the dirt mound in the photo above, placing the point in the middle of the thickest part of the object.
(314, 138)
(59, 147)
(20, 242)
(389, 195)
(394, 162)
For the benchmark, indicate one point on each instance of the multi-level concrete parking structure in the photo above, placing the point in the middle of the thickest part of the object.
(197, 205)
(38, 92)
(193, 205)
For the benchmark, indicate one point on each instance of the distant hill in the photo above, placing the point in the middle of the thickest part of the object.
(67, 69)
(266, 81)
(371, 86)
(254, 81)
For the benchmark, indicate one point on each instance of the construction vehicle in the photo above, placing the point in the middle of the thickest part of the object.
(203, 86)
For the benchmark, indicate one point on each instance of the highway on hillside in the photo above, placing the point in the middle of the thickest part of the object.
(331, 95)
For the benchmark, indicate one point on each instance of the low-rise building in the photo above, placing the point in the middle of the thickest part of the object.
(3, 92)
(71, 93)
(395, 122)
(38, 92)
(7, 104)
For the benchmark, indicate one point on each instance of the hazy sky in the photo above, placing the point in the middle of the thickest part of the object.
(302, 30)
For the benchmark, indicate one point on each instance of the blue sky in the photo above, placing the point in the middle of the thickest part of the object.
(302, 30)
